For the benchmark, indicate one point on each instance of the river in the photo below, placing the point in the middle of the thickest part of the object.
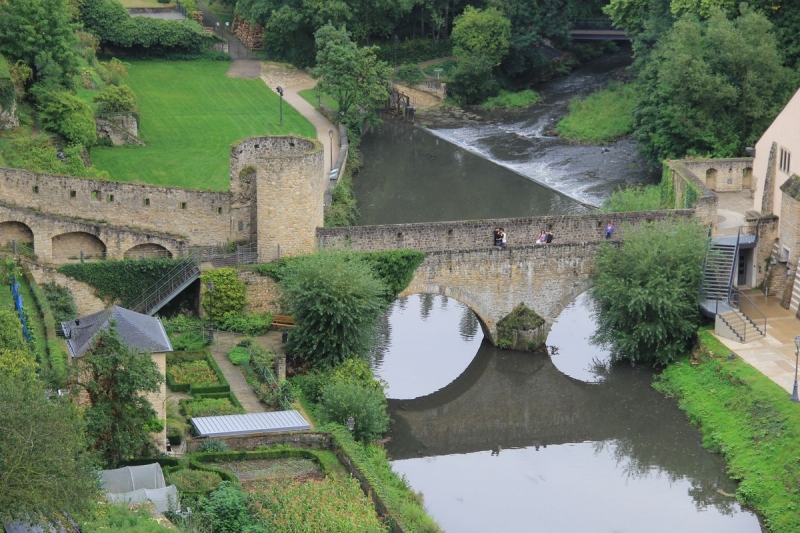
(557, 441)
(503, 166)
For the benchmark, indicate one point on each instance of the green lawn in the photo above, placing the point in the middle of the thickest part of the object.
(190, 113)
(310, 96)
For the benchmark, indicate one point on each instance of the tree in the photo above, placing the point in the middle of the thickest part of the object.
(342, 399)
(45, 470)
(11, 332)
(353, 76)
(473, 81)
(482, 33)
(229, 295)
(335, 300)
(42, 35)
(710, 88)
(119, 418)
(68, 115)
(646, 292)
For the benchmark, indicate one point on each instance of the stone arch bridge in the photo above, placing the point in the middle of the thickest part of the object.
(462, 263)
(60, 239)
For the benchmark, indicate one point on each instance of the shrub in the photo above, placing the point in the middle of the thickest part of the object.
(194, 480)
(228, 508)
(228, 296)
(38, 154)
(189, 342)
(114, 71)
(69, 116)
(410, 73)
(211, 407)
(473, 81)
(272, 394)
(248, 324)
(509, 100)
(212, 445)
(182, 324)
(61, 301)
(114, 99)
(261, 358)
(367, 405)
(239, 356)
(193, 372)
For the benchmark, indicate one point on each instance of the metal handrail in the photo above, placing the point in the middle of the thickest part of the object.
(733, 263)
(705, 259)
(750, 310)
(173, 279)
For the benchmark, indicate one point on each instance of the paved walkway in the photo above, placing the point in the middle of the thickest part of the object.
(773, 355)
(239, 386)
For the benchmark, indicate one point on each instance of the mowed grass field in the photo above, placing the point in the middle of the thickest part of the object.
(190, 113)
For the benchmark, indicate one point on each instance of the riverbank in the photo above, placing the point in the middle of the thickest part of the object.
(749, 420)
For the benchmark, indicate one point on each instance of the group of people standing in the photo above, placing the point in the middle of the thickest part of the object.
(545, 237)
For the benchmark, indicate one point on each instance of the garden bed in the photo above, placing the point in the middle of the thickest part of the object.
(195, 373)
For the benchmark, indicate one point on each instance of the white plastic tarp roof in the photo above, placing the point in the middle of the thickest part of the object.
(251, 423)
(137, 484)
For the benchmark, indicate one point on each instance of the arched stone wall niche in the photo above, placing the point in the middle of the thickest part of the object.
(280, 183)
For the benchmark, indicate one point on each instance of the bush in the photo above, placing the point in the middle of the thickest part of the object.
(508, 99)
(38, 154)
(367, 405)
(211, 407)
(228, 508)
(115, 99)
(194, 480)
(189, 342)
(229, 295)
(113, 71)
(239, 356)
(248, 324)
(410, 73)
(261, 358)
(182, 324)
(69, 116)
(473, 81)
(61, 302)
(629, 199)
(212, 445)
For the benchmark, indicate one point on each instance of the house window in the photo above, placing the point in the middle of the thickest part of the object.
(73, 194)
(146, 202)
(183, 205)
(786, 161)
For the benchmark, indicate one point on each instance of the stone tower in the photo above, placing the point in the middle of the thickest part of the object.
(278, 188)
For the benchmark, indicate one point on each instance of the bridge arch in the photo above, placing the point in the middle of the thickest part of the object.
(450, 292)
(147, 250)
(70, 245)
(711, 178)
(13, 230)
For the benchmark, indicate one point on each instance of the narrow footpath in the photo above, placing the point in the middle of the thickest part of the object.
(239, 386)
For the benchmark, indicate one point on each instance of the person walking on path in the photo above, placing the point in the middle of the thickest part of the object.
(609, 230)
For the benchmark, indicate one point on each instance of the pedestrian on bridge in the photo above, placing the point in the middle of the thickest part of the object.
(609, 230)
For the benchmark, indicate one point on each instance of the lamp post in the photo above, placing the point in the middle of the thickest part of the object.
(795, 398)
(210, 286)
(280, 92)
(330, 136)
(351, 424)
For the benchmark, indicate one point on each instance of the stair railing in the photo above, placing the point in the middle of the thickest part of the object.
(749, 309)
(705, 260)
(733, 263)
(172, 280)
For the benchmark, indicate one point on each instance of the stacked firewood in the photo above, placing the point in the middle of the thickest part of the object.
(252, 35)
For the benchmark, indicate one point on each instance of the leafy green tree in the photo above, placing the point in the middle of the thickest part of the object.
(11, 332)
(335, 300)
(119, 418)
(473, 80)
(229, 295)
(342, 399)
(228, 508)
(481, 32)
(352, 75)
(67, 115)
(116, 99)
(710, 88)
(41, 34)
(45, 470)
(646, 291)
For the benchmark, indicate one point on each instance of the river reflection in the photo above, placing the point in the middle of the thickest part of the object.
(512, 443)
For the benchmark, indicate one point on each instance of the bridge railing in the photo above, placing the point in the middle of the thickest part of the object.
(593, 23)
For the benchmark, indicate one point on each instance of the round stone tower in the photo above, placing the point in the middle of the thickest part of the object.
(278, 193)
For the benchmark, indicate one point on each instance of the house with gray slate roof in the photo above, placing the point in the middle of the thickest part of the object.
(143, 334)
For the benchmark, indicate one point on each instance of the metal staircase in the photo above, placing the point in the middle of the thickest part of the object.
(718, 271)
(176, 280)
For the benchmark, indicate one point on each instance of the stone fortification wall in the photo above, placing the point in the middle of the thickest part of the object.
(471, 234)
(203, 215)
(723, 175)
(685, 184)
(263, 293)
(84, 295)
(289, 188)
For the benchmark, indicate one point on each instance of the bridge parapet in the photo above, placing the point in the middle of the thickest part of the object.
(476, 234)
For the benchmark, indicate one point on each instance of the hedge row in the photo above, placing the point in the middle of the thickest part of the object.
(56, 355)
(174, 358)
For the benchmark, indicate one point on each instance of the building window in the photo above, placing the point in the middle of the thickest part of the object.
(110, 198)
(219, 210)
(786, 161)
(95, 195)
(183, 205)
(241, 226)
(146, 202)
(35, 189)
(73, 194)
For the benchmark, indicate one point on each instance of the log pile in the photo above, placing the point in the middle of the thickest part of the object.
(251, 35)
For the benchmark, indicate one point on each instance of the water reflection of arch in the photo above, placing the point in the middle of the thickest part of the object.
(13, 230)
(70, 245)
